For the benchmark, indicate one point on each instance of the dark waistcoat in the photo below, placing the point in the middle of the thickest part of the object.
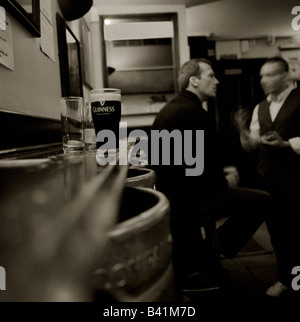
(280, 162)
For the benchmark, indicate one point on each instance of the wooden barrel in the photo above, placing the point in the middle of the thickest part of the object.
(140, 177)
(137, 262)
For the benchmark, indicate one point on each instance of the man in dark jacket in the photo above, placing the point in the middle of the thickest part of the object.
(207, 195)
(275, 132)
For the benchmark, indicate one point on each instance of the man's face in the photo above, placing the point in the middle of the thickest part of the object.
(273, 78)
(207, 83)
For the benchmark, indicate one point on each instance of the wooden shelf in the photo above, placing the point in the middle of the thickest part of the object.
(150, 68)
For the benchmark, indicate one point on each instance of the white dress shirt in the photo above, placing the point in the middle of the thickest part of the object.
(275, 106)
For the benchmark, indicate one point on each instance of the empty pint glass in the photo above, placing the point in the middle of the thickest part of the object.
(72, 124)
(89, 129)
(106, 113)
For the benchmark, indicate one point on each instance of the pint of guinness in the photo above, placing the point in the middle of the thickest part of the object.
(106, 111)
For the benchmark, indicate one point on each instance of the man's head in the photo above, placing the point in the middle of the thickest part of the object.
(274, 76)
(198, 77)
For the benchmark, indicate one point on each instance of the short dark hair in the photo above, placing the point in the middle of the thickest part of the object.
(277, 59)
(188, 69)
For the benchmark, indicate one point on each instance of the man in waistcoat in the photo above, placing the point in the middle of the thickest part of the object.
(274, 132)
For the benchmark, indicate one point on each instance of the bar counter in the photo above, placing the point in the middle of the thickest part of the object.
(55, 212)
(65, 226)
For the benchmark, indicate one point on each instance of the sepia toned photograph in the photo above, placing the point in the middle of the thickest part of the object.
(150, 156)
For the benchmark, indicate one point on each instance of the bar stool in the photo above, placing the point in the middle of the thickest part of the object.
(140, 177)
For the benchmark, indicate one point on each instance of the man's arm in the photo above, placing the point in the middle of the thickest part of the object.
(278, 142)
(249, 137)
(295, 144)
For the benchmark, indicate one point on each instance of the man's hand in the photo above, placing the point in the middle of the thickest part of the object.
(232, 176)
(240, 118)
(272, 138)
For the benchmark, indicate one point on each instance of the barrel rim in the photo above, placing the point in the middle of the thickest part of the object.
(157, 212)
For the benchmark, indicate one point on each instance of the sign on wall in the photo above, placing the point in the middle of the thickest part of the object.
(292, 55)
(6, 45)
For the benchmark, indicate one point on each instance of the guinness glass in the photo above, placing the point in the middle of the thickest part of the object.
(106, 111)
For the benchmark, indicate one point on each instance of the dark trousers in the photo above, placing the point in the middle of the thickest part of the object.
(286, 243)
(246, 210)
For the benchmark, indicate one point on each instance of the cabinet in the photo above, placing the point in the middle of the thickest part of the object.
(141, 66)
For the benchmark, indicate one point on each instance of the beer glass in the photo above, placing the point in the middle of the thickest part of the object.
(89, 129)
(72, 124)
(106, 111)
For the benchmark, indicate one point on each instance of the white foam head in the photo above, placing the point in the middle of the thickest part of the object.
(105, 94)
